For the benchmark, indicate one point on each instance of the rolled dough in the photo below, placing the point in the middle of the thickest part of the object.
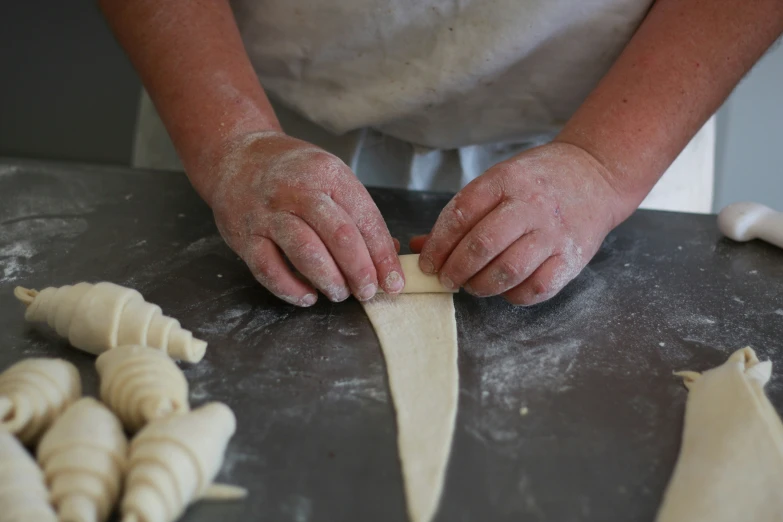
(172, 462)
(23, 493)
(33, 393)
(418, 337)
(83, 457)
(101, 316)
(416, 281)
(730, 466)
(141, 384)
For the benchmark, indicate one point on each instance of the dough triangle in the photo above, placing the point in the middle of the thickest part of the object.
(418, 336)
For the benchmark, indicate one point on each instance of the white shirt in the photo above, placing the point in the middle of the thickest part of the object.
(437, 73)
(482, 79)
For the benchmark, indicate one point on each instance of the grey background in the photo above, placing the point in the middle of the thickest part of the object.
(68, 92)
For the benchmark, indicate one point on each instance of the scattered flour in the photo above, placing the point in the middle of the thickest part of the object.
(23, 238)
(359, 389)
(233, 459)
(15, 261)
(226, 321)
(298, 508)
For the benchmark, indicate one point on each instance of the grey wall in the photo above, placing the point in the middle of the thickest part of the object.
(68, 92)
(66, 89)
(749, 155)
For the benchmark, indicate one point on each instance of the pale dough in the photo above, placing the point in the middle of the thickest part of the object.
(418, 336)
(101, 316)
(173, 461)
(83, 455)
(416, 281)
(141, 384)
(730, 466)
(217, 492)
(23, 493)
(33, 393)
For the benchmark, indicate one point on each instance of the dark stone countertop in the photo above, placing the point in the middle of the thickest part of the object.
(316, 437)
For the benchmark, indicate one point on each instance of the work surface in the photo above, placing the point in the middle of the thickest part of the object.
(316, 438)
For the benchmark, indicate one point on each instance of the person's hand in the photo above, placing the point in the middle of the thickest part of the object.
(526, 227)
(274, 195)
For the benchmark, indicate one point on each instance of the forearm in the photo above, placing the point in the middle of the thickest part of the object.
(193, 64)
(676, 71)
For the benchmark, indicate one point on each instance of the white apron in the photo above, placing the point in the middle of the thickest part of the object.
(427, 94)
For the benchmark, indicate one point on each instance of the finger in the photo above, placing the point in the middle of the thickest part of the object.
(356, 201)
(488, 239)
(544, 283)
(345, 243)
(512, 267)
(417, 242)
(267, 265)
(307, 253)
(456, 219)
(396, 245)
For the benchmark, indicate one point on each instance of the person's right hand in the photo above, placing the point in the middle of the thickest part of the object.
(273, 194)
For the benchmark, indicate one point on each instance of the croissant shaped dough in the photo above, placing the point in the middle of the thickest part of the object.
(33, 393)
(141, 384)
(730, 467)
(173, 461)
(23, 494)
(101, 316)
(83, 455)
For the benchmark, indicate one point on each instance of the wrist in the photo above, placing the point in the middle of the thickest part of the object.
(623, 197)
(217, 156)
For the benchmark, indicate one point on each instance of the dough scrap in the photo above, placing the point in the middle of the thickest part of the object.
(101, 316)
(83, 455)
(418, 336)
(141, 384)
(23, 493)
(730, 466)
(33, 393)
(223, 492)
(173, 461)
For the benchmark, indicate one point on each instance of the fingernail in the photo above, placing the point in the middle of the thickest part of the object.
(476, 293)
(426, 266)
(368, 292)
(290, 299)
(394, 282)
(337, 294)
(448, 283)
(308, 300)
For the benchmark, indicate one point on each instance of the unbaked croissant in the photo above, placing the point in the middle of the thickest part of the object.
(141, 384)
(101, 316)
(33, 392)
(173, 461)
(23, 494)
(83, 455)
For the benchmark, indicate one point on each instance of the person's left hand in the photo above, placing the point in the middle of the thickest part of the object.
(526, 227)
